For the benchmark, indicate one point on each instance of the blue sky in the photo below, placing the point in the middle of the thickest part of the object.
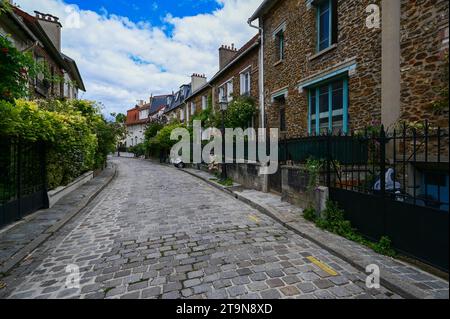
(129, 50)
(149, 10)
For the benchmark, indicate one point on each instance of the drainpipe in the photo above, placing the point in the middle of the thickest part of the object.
(262, 124)
(261, 74)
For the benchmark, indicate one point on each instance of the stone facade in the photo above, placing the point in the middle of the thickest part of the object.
(356, 44)
(198, 98)
(246, 59)
(424, 39)
(424, 57)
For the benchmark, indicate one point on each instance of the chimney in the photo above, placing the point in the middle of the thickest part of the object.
(51, 26)
(226, 54)
(197, 81)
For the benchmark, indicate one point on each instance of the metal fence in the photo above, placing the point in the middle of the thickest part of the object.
(389, 184)
(22, 178)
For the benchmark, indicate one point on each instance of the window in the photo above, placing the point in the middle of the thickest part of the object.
(204, 102)
(245, 83)
(328, 107)
(280, 44)
(280, 102)
(181, 115)
(326, 24)
(222, 93)
(192, 108)
(230, 91)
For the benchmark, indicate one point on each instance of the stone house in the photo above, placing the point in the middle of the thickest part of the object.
(238, 74)
(200, 98)
(137, 121)
(41, 34)
(329, 66)
(340, 66)
(181, 107)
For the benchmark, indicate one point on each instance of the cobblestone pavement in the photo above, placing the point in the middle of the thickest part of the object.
(156, 232)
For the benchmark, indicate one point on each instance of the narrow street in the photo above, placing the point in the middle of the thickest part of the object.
(156, 232)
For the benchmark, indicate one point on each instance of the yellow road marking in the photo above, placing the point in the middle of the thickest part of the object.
(322, 266)
(254, 218)
(2, 285)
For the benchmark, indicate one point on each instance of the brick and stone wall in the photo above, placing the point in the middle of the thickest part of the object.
(197, 97)
(355, 43)
(233, 72)
(424, 57)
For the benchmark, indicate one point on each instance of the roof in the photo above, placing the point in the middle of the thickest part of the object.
(20, 24)
(250, 45)
(133, 115)
(179, 97)
(265, 6)
(200, 89)
(33, 24)
(158, 102)
(74, 72)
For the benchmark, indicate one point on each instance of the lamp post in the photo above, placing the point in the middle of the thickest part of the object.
(223, 107)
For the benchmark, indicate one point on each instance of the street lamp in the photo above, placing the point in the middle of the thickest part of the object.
(223, 104)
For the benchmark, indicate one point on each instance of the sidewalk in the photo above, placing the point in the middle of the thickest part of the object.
(406, 280)
(18, 240)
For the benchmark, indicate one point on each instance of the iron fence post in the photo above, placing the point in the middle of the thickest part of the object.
(328, 160)
(383, 160)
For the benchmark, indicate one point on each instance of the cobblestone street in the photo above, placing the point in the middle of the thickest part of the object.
(156, 232)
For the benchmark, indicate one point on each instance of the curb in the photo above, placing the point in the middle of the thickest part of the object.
(25, 251)
(388, 280)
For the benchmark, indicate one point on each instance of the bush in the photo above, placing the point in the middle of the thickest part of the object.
(240, 112)
(78, 137)
(138, 150)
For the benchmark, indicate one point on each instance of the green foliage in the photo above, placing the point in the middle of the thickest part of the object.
(313, 168)
(310, 214)
(153, 129)
(161, 142)
(15, 70)
(5, 7)
(138, 150)
(333, 220)
(78, 137)
(240, 112)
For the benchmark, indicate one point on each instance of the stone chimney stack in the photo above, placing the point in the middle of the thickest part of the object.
(226, 54)
(51, 26)
(197, 81)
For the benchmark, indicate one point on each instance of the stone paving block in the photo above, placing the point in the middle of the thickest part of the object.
(290, 291)
(270, 294)
(151, 292)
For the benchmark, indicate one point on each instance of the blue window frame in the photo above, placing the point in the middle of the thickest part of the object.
(328, 107)
(326, 24)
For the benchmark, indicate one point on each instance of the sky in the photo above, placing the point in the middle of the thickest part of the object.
(127, 50)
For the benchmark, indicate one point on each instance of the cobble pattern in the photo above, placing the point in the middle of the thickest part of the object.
(156, 232)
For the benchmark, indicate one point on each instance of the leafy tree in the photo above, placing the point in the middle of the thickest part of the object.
(16, 68)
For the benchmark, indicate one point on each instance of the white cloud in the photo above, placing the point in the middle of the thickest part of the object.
(122, 61)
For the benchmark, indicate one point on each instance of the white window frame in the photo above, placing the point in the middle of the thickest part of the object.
(230, 90)
(243, 84)
(181, 114)
(204, 102)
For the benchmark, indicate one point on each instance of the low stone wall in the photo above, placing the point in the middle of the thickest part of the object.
(294, 183)
(247, 175)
